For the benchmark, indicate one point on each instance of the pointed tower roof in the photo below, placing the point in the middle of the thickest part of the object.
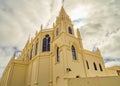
(62, 11)
(63, 16)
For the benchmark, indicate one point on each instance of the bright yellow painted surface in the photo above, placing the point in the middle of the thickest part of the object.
(43, 69)
(95, 81)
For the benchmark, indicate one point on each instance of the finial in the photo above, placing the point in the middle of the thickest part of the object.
(98, 51)
(28, 40)
(41, 27)
(62, 3)
(29, 37)
(14, 54)
(78, 33)
(36, 32)
(53, 25)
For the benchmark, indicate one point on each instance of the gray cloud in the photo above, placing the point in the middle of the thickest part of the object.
(6, 53)
(109, 61)
(102, 29)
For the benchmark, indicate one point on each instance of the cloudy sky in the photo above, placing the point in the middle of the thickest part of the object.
(98, 21)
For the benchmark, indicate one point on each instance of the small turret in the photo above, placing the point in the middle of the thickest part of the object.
(31, 39)
(28, 41)
(41, 27)
(36, 32)
(53, 25)
(79, 38)
(13, 57)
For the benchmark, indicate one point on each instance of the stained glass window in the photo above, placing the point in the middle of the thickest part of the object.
(46, 43)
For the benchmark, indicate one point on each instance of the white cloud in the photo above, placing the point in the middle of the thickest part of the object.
(103, 30)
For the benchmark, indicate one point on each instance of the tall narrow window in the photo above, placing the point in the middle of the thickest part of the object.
(31, 54)
(57, 54)
(70, 30)
(36, 48)
(87, 64)
(73, 53)
(46, 44)
(57, 31)
(100, 67)
(95, 67)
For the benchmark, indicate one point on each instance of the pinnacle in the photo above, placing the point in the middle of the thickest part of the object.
(62, 11)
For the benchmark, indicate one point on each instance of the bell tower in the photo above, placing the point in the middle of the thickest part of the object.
(63, 23)
(67, 55)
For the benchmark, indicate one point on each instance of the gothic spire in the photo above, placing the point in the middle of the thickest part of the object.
(62, 12)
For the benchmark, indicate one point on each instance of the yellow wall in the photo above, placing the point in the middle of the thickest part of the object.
(18, 75)
(95, 81)
(14, 74)
(92, 57)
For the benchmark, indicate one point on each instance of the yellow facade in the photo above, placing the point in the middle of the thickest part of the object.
(54, 56)
(95, 81)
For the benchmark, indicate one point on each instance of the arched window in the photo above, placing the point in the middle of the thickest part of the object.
(100, 67)
(46, 43)
(57, 31)
(36, 48)
(73, 53)
(87, 64)
(70, 30)
(95, 67)
(57, 54)
(31, 54)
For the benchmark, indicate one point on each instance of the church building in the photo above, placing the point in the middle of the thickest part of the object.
(53, 56)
